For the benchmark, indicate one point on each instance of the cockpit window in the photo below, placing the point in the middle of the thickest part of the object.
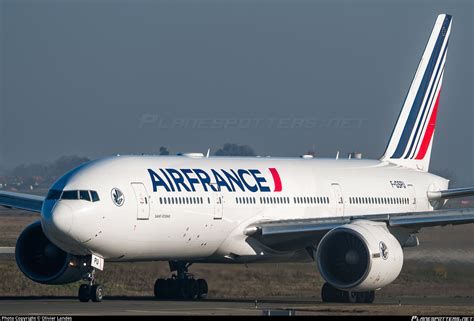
(69, 195)
(54, 194)
(84, 195)
(95, 196)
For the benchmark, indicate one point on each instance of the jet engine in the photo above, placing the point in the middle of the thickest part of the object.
(43, 262)
(359, 256)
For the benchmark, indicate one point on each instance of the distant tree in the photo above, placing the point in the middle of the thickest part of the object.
(230, 149)
(66, 163)
(164, 151)
(50, 171)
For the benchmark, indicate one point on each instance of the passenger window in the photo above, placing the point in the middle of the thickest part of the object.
(69, 195)
(84, 195)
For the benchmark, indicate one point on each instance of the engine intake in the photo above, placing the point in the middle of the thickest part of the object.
(43, 262)
(360, 256)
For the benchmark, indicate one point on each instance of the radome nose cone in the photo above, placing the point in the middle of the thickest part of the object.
(61, 218)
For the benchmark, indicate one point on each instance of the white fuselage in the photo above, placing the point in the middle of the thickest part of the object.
(153, 223)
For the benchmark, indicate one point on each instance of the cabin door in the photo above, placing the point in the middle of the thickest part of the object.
(338, 200)
(218, 201)
(412, 196)
(142, 200)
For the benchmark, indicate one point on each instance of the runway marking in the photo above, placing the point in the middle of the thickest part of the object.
(72, 307)
(7, 250)
(190, 311)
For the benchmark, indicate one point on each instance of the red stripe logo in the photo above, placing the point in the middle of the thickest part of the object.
(429, 131)
(276, 179)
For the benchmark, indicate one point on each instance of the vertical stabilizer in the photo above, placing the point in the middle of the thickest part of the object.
(412, 138)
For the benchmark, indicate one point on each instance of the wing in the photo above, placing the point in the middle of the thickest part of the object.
(294, 234)
(27, 202)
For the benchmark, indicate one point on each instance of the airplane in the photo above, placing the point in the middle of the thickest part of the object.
(352, 217)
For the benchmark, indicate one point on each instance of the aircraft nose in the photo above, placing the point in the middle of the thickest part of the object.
(61, 218)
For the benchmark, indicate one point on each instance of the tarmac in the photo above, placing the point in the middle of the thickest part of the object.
(70, 306)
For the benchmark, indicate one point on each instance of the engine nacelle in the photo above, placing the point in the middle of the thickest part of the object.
(43, 262)
(360, 256)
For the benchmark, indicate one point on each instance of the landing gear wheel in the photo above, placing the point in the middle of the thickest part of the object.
(325, 295)
(361, 297)
(369, 297)
(90, 290)
(202, 289)
(184, 292)
(331, 294)
(84, 293)
(352, 297)
(193, 289)
(97, 293)
(172, 289)
(182, 285)
(161, 289)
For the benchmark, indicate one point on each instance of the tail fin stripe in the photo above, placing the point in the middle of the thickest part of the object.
(415, 109)
(432, 103)
(427, 107)
(429, 131)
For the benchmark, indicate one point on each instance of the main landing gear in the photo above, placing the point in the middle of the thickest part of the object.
(331, 294)
(91, 290)
(181, 286)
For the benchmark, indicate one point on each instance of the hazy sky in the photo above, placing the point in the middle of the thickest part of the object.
(96, 78)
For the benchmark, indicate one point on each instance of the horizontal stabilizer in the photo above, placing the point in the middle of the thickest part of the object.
(451, 193)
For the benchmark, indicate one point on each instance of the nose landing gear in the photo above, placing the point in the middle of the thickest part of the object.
(90, 291)
(181, 286)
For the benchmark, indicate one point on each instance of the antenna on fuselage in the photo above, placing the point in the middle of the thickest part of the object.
(208, 152)
(337, 155)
